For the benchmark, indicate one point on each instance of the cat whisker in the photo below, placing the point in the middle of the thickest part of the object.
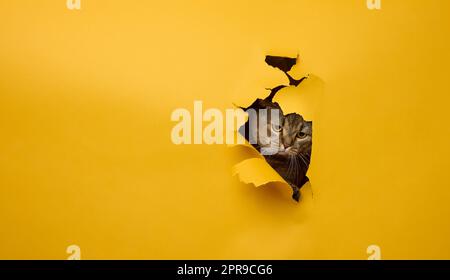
(301, 157)
(291, 164)
(305, 159)
(297, 165)
(294, 170)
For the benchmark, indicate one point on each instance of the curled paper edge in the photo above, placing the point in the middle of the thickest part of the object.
(256, 171)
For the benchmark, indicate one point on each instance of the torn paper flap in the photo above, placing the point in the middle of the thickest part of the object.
(256, 171)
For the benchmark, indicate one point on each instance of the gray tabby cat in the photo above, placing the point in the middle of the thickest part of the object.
(290, 134)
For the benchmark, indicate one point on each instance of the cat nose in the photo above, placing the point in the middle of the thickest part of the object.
(281, 147)
(288, 144)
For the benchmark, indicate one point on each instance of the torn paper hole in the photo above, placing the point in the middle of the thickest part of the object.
(254, 169)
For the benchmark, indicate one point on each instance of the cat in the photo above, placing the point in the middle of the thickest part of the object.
(290, 134)
(294, 156)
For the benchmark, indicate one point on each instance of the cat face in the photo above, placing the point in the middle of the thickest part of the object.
(296, 135)
(273, 132)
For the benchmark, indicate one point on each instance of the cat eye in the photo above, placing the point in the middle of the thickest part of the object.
(276, 127)
(301, 135)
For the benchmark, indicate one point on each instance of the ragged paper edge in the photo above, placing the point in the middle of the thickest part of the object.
(255, 169)
(257, 172)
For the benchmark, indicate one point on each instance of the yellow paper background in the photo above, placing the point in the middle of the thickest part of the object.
(85, 150)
